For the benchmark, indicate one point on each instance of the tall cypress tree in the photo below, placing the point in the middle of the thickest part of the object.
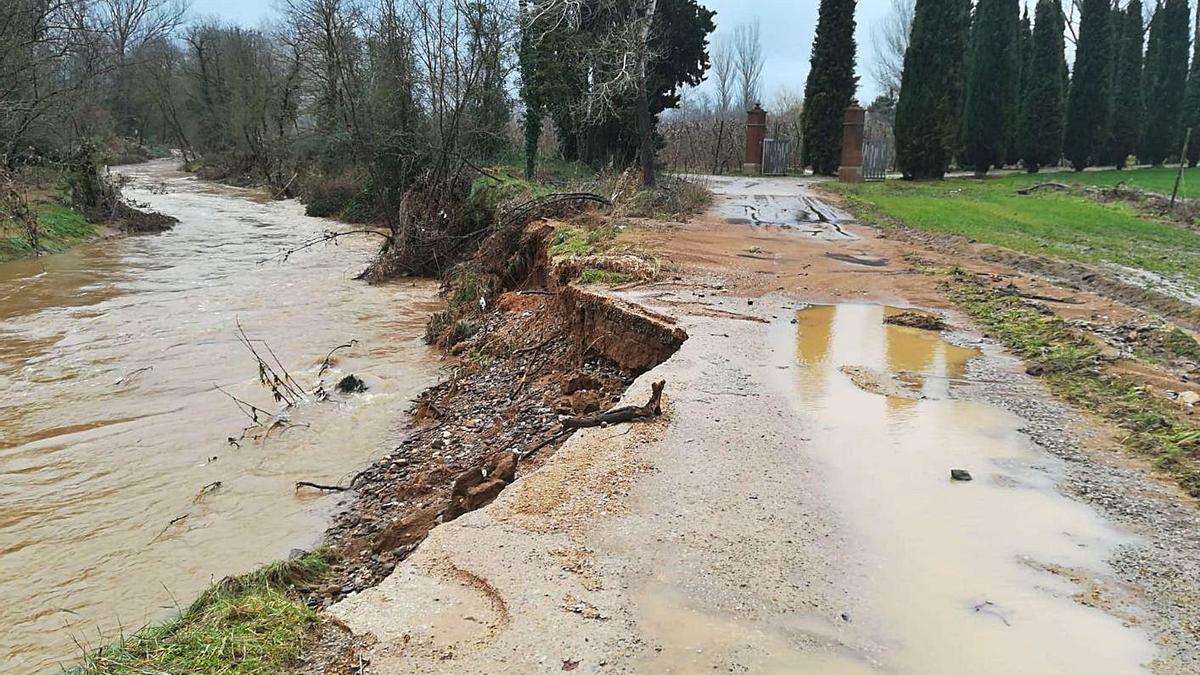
(993, 84)
(1191, 106)
(927, 114)
(1045, 96)
(830, 86)
(1127, 86)
(1014, 144)
(1089, 96)
(1165, 81)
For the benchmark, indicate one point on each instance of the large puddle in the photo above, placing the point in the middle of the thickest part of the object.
(961, 577)
(111, 424)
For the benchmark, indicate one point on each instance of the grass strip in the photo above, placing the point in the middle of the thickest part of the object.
(1072, 365)
(249, 624)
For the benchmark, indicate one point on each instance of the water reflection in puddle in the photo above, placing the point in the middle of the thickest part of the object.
(957, 578)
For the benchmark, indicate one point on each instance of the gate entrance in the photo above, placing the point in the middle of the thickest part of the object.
(775, 156)
(875, 160)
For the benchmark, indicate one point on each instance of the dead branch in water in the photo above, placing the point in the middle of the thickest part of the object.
(248, 409)
(128, 377)
(319, 486)
(631, 413)
(284, 388)
(171, 522)
(323, 238)
(325, 364)
(211, 487)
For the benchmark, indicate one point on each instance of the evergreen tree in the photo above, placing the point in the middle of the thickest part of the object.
(1166, 79)
(830, 86)
(927, 114)
(1014, 144)
(1045, 94)
(1127, 86)
(993, 84)
(1090, 94)
(1191, 107)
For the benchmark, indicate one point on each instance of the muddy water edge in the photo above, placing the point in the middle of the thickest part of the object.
(121, 496)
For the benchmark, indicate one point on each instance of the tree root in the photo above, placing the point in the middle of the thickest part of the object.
(630, 413)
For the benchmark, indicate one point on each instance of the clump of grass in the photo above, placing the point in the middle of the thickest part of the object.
(241, 625)
(592, 275)
(1073, 368)
(671, 199)
(582, 241)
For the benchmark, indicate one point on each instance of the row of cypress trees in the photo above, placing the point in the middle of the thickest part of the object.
(990, 88)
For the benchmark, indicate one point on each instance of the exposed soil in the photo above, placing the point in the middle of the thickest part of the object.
(539, 362)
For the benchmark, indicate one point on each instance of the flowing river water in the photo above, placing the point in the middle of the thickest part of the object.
(111, 423)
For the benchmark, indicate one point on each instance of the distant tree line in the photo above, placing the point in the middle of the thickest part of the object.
(348, 102)
(983, 86)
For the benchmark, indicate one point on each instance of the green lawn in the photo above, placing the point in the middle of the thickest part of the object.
(1046, 223)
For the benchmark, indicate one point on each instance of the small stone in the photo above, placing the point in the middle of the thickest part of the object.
(960, 474)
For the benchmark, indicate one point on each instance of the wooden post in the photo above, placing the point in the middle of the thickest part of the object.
(1182, 162)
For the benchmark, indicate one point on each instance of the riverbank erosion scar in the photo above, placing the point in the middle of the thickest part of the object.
(536, 362)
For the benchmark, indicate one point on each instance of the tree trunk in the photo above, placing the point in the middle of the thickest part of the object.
(646, 129)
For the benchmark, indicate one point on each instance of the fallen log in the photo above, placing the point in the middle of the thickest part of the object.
(629, 413)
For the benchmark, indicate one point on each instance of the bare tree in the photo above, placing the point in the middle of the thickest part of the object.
(127, 26)
(723, 74)
(749, 58)
(890, 38)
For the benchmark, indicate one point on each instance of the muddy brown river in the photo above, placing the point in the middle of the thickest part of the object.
(111, 423)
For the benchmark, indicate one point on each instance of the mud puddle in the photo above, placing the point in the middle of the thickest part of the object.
(960, 577)
(111, 425)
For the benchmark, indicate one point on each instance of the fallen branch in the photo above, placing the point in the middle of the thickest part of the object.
(1043, 186)
(215, 485)
(323, 238)
(630, 413)
(319, 486)
(163, 531)
(285, 187)
(325, 363)
(1014, 291)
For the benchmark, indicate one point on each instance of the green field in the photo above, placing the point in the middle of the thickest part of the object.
(1062, 225)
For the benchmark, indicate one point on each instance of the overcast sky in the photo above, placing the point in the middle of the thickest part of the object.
(787, 33)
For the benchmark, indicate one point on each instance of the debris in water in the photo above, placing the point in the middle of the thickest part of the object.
(351, 384)
(960, 474)
(914, 319)
(989, 607)
(319, 486)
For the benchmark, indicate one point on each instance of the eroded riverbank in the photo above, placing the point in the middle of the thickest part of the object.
(110, 355)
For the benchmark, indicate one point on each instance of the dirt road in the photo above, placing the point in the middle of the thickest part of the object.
(787, 515)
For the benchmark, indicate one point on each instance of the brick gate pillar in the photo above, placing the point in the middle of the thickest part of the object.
(850, 168)
(756, 131)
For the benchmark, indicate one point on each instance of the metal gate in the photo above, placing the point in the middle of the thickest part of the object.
(876, 159)
(775, 156)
